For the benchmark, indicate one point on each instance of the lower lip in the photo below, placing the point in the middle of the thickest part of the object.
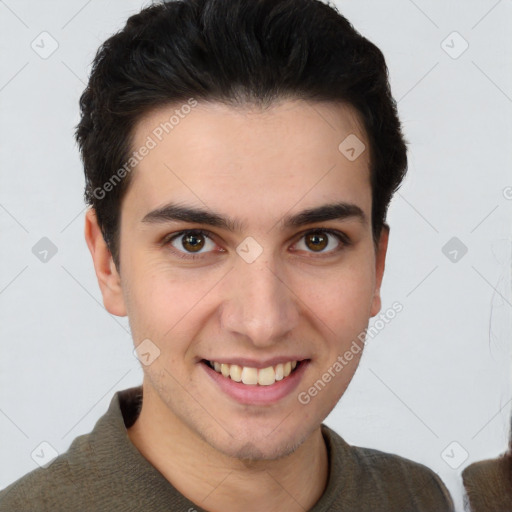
(256, 394)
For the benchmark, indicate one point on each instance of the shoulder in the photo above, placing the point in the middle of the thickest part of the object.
(57, 483)
(402, 480)
(393, 482)
(86, 473)
(396, 470)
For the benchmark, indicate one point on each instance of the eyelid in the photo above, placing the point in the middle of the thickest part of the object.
(331, 231)
(196, 231)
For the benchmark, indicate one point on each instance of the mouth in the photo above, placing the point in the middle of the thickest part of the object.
(255, 376)
(266, 385)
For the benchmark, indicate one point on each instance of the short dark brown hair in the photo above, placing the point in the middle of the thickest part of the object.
(237, 52)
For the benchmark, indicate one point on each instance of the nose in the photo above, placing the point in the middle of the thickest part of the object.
(259, 304)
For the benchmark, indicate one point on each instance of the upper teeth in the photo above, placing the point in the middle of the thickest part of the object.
(252, 376)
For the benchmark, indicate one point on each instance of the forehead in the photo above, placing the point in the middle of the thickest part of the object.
(224, 156)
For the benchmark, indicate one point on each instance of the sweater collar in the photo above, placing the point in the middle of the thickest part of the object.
(115, 452)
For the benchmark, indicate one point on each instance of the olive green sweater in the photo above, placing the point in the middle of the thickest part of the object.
(104, 471)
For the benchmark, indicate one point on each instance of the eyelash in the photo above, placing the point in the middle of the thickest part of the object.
(342, 238)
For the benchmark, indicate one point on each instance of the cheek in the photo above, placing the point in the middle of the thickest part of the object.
(342, 299)
(163, 301)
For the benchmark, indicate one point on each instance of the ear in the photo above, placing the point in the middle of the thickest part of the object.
(380, 260)
(106, 271)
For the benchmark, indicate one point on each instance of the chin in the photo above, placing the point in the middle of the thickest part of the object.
(258, 450)
(248, 446)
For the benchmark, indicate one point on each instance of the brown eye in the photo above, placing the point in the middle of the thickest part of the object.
(316, 241)
(322, 241)
(193, 242)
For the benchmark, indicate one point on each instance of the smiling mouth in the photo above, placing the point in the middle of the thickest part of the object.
(254, 376)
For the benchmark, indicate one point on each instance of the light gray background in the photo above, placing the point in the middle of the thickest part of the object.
(438, 373)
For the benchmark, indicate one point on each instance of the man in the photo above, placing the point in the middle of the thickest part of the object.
(240, 157)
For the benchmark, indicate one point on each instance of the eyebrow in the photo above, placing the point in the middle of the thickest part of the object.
(173, 212)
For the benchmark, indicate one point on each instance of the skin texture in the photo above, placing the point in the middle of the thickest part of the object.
(256, 166)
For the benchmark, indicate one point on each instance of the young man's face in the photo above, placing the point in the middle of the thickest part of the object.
(257, 290)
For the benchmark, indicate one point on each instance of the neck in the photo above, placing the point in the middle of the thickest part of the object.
(217, 482)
